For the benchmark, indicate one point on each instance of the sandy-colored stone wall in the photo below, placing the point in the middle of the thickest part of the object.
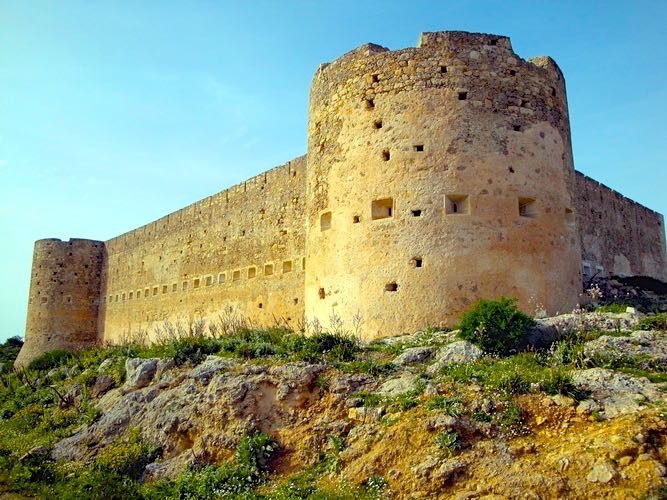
(418, 163)
(64, 296)
(435, 176)
(618, 236)
(239, 251)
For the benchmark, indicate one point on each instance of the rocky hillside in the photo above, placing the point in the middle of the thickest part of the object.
(272, 414)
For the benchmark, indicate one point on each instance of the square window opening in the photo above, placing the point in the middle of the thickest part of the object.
(252, 272)
(222, 277)
(236, 275)
(457, 204)
(391, 287)
(155, 290)
(165, 288)
(325, 221)
(321, 293)
(185, 286)
(416, 213)
(463, 96)
(419, 148)
(386, 155)
(196, 283)
(443, 69)
(209, 280)
(268, 269)
(356, 219)
(369, 103)
(527, 207)
(287, 266)
(417, 262)
(377, 124)
(375, 78)
(382, 209)
(174, 287)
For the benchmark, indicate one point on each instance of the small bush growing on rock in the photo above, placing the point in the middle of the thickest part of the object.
(127, 457)
(448, 441)
(655, 322)
(452, 406)
(256, 451)
(496, 326)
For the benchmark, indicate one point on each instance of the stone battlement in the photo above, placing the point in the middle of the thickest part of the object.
(435, 175)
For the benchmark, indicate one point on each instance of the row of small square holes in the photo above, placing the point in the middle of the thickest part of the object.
(454, 204)
(209, 280)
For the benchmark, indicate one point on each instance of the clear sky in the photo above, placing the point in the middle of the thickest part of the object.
(114, 113)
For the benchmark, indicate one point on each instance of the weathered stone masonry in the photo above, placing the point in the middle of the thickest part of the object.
(434, 176)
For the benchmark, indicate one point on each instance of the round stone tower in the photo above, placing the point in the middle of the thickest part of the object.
(64, 297)
(438, 175)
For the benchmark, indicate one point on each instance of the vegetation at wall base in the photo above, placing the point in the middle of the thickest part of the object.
(496, 326)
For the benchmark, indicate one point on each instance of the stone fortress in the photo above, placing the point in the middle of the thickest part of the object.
(434, 176)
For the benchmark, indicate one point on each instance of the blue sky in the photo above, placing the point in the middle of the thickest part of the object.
(113, 114)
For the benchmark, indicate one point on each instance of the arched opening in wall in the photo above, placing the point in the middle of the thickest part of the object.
(287, 266)
(416, 213)
(122, 296)
(221, 278)
(252, 272)
(236, 275)
(391, 287)
(138, 294)
(196, 283)
(146, 293)
(527, 207)
(569, 218)
(130, 295)
(417, 262)
(268, 269)
(457, 204)
(325, 221)
(209, 280)
(382, 208)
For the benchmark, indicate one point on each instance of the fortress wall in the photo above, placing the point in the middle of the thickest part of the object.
(618, 236)
(237, 252)
(418, 162)
(64, 297)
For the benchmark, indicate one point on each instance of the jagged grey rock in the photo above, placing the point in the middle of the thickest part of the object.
(209, 367)
(398, 385)
(616, 393)
(139, 372)
(652, 346)
(602, 472)
(414, 355)
(458, 352)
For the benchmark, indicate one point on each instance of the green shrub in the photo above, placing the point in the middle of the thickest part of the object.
(10, 349)
(496, 326)
(654, 322)
(560, 382)
(451, 405)
(127, 457)
(448, 441)
(614, 307)
(256, 451)
(51, 359)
